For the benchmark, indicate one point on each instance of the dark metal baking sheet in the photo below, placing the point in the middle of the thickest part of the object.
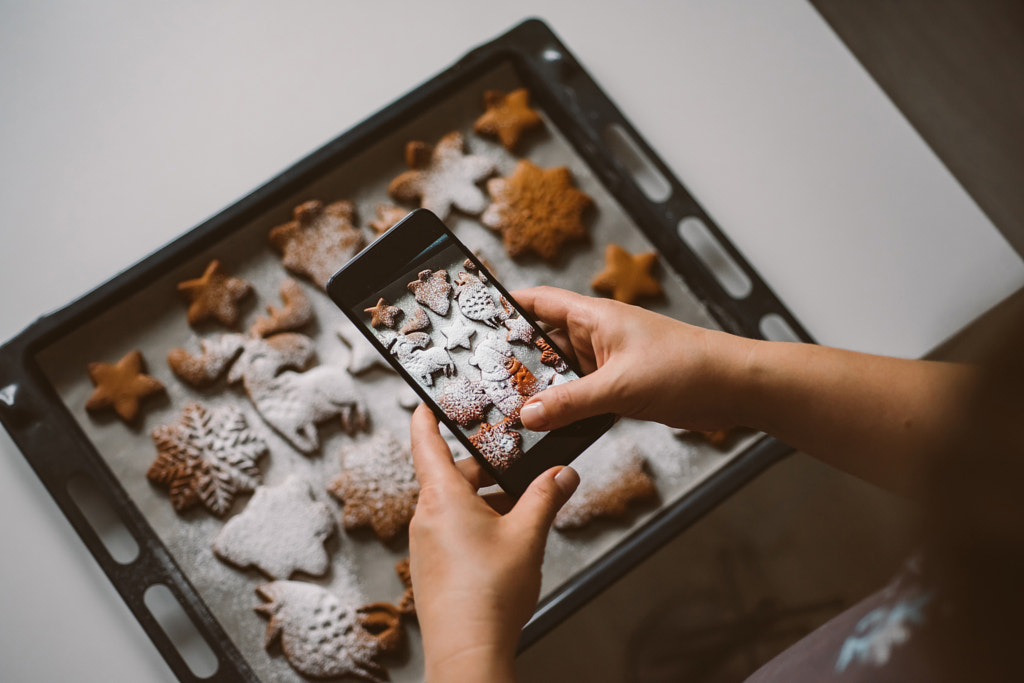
(41, 369)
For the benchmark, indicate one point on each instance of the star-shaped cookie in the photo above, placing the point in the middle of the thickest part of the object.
(627, 277)
(318, 240)
(457, 334)
(362, 354)
(383, 314)
(507, 116)
(448, 179)
(378, 486)
(281, 531)
(432, 289)
(519, 329)
(121, 386)
(536, 210)
(214, 295)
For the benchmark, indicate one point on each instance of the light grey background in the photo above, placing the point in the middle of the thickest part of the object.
(123, 125)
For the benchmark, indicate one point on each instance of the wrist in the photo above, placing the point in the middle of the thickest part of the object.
(738, 378)
(471, 665)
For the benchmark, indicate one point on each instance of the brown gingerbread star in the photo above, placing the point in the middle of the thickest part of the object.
(536, 210)
(626, 276)
(383, 313)
(121, 386)
(507, 116)
(214, 295)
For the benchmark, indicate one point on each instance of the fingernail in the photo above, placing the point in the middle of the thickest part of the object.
(533, 416)
(567, 479)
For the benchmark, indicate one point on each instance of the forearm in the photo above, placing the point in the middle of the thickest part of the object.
(875, 417)
(472, 666)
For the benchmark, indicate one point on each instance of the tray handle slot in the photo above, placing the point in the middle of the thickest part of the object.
(638, 165)
(103, 518)
(706, 247)
(182, 633)
(774, 327)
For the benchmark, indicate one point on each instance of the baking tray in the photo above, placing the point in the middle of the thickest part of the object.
(707, 282)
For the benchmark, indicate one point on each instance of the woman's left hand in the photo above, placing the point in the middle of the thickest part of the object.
(476, 572)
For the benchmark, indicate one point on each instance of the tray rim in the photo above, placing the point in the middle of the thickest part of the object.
(45, 431)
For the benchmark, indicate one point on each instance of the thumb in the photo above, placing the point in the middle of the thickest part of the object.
(565, 403)
(543, 499)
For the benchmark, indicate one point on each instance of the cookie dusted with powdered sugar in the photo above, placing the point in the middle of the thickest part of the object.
(432, 289)
(609, 484)
(443, 177)
(281, 531)
(318, 240)
(377, 485)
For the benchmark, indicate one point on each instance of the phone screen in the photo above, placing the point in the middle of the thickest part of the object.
(443, 320)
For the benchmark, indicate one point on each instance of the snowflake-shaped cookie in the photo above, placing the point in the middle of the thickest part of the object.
(464, 401)
(447, 179)
(282, 530)
(378, 486)
(208, 457)
(318, 240)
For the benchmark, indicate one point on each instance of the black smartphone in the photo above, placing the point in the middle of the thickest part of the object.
(464, 344)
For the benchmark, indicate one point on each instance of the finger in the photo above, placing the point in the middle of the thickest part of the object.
(565, 403)
(476, 475)
(561, 340)
(545, 496)
(549, 304)
(430, 453)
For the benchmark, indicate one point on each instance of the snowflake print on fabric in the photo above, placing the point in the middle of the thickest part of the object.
(881, 631)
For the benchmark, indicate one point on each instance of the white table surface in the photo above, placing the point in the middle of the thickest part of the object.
(122, 124)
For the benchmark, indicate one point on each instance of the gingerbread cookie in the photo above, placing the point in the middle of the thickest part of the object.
(498, 443)
(362, 354)
(215, 356)
(507, 117)
(208, 457)
(416, 321)
(475, 301)
(550, 357)
(387, 216)
(447, 179)
(296, 312)
(383, 314)
(536, 210)
(121, 386)
(419, 361)
(717, 438)
(378, 486)
(293, 403)
(609, 484)
(519, 330)
(318, 240)
(464, 401)
(457, 334)
(432, 289)
(627, 277)
(326, 634)
(506, 380)
(407, 604)
(281, 531)
(214, 295)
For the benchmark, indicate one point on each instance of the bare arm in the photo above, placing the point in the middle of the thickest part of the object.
(872, 416)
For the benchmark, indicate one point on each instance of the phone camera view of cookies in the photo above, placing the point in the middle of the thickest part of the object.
(475, 355)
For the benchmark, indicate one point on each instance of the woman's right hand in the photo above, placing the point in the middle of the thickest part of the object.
(640, 364)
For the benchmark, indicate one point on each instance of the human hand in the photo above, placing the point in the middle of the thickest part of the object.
(640, 364)
(476, 572)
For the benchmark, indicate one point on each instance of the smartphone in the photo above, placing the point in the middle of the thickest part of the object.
(469, 350)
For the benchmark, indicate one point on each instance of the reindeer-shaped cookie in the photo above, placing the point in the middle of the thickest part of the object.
(291, 402)
(412, 352)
